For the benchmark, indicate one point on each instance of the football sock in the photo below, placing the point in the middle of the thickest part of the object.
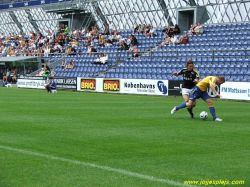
(183, 105)
(190, 110)
(212, 111)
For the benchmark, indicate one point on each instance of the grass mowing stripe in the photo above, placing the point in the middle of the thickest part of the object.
(151, 178)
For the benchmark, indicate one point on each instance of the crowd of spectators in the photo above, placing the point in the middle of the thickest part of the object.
(172, 35)
(66, 41)
(53, 42)
(9, 75)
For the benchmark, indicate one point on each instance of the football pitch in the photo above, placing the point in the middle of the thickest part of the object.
(81, 139)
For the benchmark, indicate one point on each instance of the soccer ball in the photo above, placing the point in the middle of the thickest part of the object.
(203, 115)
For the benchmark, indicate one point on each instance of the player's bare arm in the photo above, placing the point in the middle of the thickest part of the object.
(214, 90)
(176, 73)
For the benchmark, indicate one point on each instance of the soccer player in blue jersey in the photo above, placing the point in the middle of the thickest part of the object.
(200, 91)
(189, 81)
(51, 85)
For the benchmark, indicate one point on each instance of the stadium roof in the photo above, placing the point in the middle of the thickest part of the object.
(19, 58)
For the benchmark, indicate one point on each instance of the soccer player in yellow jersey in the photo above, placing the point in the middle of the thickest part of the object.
(200, 91)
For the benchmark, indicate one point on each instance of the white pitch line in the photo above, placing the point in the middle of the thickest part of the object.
(147, 177)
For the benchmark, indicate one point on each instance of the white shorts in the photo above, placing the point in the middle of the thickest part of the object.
(186, 91)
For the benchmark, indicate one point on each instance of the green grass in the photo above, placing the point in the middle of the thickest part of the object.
(127, 132)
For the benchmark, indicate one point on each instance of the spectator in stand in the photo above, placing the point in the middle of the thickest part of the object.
(135, 52)
(111, 27)
(198, 29)
(6, 76)
(2, 36)
(66, 30)
(131, 49)
(46, 72)
(63, 65)
(169, 31)
(12, 52)
(14, 76)
(191, 31)
(40, 42)
(120, 41)
(101, 60)
(74, 43)
(46, 66)
(147, 29)
(13, 43)
(133, 40)
(91, 41)
(83, 30)
(116, 32)
(142, 29)
(184, 39)
(117, 37)
(136, 29)
(151, 32)
(67, 51)
(111, 38)
(57, 50)
(89, 49)
(166, 41)
(52, 73)
(71, 65)
(174, 39)
(41, 72)
(128, 41)
(66, 40)
(176, 30)
(62, 30)
(106, 30)
(72, 51)
(109, 41)
(29, 71)
(164, 30)
(101, 42)
(124, 46)
(93, 50)
(40, 52)
(47, 51)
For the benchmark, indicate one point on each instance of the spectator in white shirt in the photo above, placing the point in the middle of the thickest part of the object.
(2, 36)
(174, 39)
(101, 60)
(151, 32)
(111, 27)
(64, 63)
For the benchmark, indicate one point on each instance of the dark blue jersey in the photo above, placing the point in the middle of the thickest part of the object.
(53, 84)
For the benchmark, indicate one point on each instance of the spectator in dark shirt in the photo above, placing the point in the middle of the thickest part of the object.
(169, 31)
(164, 30)
(176, 30)
(93, 50)
(133, 40)
(72, 51)
(124, 46)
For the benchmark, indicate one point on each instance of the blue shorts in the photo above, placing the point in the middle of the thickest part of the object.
(196, 93)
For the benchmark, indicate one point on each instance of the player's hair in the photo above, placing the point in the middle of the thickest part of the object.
(189, 62)
(222, 78)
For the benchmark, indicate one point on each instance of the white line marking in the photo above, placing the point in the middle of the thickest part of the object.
(147, 177)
